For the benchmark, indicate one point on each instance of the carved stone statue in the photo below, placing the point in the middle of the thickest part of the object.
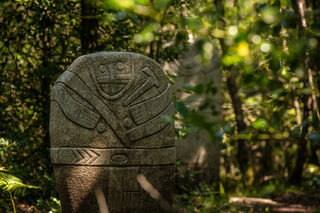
(107, 127)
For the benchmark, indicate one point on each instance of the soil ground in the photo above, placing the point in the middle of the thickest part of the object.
(289, 202)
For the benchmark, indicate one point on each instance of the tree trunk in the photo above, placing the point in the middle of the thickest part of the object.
(45, 85)
(296, 175)
(242, 152)
(242, 147)
(89, 27)
(308, 101)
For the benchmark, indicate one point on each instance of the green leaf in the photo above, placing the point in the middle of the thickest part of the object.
(229, 60)
(270, 15)
(162, 4)
(120, 5)
(182, 109)
(260, 123)
(13, 184)
(221, 190)
(314, 138)
(198, 89)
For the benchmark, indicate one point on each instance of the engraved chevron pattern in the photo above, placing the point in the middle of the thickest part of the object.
(84, 156)
(111, 157)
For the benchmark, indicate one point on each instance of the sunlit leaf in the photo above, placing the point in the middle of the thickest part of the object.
(270, 15)
(13, 184)
(243, 49)
(120, 5)
(260, 123)
(230, 60)
(162, 4)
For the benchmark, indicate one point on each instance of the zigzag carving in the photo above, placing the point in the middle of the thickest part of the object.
(84, 156)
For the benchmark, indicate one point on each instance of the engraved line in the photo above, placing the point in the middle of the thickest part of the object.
(101, 92)
(112, 149)
(144, 88)
(131, 165)
(151, 134)
(123, 76)
(167, 90)
(150, 82)
(96, 157)
(109, 81)
(81, 154)
(64, 112)
(142, 101)
(75, 152)
(141, 127)
(88, 159)
(75, 156)
(60, 89)
(66, 88)
(104, 111)
(107, 155)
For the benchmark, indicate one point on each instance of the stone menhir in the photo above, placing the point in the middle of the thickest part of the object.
(107, 127)
(197, 150)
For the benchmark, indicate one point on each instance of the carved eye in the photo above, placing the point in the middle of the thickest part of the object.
(102, 68)
(120, 65)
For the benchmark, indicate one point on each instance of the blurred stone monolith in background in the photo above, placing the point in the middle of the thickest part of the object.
(197, 151)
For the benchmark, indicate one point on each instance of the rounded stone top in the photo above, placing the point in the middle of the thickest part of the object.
(127, 93)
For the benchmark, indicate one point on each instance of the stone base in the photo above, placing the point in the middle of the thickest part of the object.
(119, 184)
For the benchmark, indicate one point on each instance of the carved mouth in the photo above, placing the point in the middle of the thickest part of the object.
(118, 79)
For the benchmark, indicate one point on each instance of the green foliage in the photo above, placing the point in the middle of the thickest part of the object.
(38, 42)
(51, 205)
(262, 43)
(13, 184)
(150, 28)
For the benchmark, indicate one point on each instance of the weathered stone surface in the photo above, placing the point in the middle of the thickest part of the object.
(197, 151)
(107, 127)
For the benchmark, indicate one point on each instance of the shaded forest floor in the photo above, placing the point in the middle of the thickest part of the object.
(289, 202)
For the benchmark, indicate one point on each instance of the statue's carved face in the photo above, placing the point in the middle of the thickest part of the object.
(113, 77)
